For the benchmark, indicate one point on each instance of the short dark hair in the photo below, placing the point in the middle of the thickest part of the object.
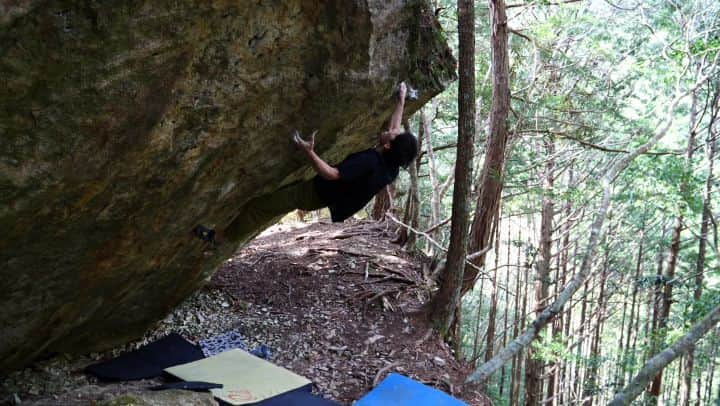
(403, 150)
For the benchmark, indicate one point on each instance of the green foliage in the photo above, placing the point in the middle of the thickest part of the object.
(551, 349)
(597, 81)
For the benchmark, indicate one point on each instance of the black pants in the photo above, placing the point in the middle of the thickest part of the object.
(264, 211)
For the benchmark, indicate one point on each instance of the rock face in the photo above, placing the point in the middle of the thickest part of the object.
(124, 124)
(162, 398)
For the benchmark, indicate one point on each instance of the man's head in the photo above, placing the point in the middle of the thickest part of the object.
(399, 148)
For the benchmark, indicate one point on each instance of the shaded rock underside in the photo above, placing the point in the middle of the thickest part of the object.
(124, 124)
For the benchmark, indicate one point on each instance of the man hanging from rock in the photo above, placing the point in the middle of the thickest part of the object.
(344, 189)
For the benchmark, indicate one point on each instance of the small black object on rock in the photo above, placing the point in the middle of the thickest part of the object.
(205, 234)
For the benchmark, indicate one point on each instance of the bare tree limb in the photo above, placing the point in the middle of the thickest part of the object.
(656, 364)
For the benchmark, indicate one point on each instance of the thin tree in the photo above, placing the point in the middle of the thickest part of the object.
(533, 383)
(702, 244)
(412, 206)
(491, 178)
(435, 189)
(592, 379)
(492, 314)
(446, 300)
(507, 302)
(517, 324)
(632, 328)
(669, 277)
(383, 202)
(566, 374)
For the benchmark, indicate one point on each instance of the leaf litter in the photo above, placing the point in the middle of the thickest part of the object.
(337, 303)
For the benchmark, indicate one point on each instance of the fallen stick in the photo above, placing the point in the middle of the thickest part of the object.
(381, 371)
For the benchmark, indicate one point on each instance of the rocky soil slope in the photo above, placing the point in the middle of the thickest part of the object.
(336, 304)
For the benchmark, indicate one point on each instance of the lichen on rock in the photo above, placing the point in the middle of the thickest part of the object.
(124, 124)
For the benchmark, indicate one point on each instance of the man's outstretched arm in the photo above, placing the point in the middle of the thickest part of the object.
(396, 119)
(321, 167)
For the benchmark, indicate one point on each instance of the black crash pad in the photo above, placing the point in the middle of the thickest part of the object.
(147, 361)
(298, 397)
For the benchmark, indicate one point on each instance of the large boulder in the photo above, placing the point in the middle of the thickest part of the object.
(161, 398)
(123, 124)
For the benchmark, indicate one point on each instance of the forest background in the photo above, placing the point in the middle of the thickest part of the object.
(604, 203)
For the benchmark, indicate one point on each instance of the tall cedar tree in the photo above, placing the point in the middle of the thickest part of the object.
(702, 245)
(447, 298)
(533, 365)
(674, 250)
(491, 182)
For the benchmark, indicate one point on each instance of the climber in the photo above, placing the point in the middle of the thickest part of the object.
(344, 189)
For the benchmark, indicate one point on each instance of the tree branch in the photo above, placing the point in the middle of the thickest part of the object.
(656, 364)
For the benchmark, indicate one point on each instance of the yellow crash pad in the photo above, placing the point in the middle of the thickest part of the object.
(245, 377)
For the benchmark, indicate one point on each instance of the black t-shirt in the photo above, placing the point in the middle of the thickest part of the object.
(362, 175)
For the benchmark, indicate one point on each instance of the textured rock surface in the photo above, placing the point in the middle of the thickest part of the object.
(123, 124)
(168, 397)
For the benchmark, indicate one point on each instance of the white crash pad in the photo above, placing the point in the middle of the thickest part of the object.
(245, 377)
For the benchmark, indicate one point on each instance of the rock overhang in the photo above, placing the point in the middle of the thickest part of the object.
(123, 125)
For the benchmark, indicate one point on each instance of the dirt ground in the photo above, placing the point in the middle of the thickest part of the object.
(337, 303)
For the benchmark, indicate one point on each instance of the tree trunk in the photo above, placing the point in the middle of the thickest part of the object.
(554, 367)
(710, 380)
(488, 368)
(675, 379)
(702, 244)
(579, 378)
(674, 249)
(666, 301)
(403, 233)
(383, 202)
(621, 342)
(591, 384)
(447, 298)
(476, 346)
(633, 301)
(492, 315)
(435, 197)
(411, 216)
(656, 364)
(566, 381)
(491, 179)
(548, 210)
(533, 368)
(507, 305)
(515, 372)
(523, 313)
(656, 294)
(455, 336)
(414, 220)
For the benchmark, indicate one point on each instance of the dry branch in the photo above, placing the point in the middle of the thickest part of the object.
(656, 364)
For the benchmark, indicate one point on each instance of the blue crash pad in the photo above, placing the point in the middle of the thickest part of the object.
(398, 390)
